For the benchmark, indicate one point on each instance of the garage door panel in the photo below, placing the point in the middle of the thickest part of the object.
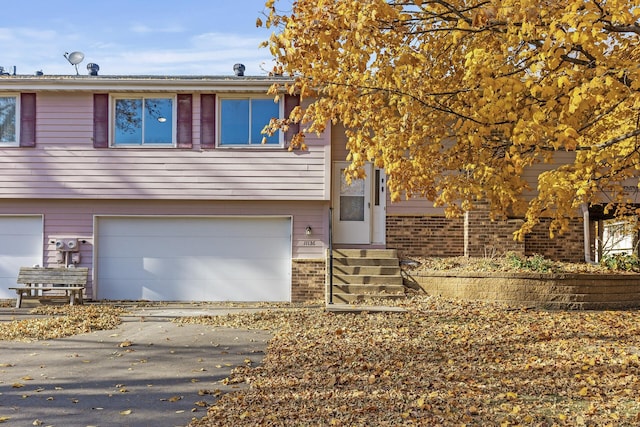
(217, 269)
(20, 245)
(196, 290)
(227, 247)
(206, 259)
(195, 227)
(151, 268)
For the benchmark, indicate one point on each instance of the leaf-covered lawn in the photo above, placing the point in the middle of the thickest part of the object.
(61, 321)
(440, 363)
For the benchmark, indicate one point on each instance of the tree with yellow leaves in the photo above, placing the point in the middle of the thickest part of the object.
(458, 99)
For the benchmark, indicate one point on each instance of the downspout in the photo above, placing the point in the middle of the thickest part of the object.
(586, 233)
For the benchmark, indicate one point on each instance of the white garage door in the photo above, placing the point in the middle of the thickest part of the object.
(20, 246)
(194, 258)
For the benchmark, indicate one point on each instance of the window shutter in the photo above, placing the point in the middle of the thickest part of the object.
(101, 120)
(208, 120)
(290, 102)
(28, 120)
(185, 128)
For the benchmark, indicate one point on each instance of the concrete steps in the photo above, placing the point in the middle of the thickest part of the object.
(365, 274)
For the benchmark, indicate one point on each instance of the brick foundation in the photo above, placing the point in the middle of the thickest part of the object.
(477, 236)
(307, 279)
(485, 238)
(425, 236)
(566, 247)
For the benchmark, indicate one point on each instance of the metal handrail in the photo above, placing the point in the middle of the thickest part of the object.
(330, 255)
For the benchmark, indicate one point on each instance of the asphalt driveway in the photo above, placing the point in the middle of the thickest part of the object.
(148, 372)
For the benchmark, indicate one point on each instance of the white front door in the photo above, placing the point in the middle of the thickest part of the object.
(351, 207)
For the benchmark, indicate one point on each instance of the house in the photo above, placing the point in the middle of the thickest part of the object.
(161, 185)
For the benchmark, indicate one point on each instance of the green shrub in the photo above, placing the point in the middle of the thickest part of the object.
(535, 263)
(623, 262)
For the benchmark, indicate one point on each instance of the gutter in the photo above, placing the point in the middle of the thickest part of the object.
(140, 83)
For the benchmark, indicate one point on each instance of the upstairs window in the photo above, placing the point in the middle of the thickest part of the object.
(243, 118)
(145, 121)
(9, 120)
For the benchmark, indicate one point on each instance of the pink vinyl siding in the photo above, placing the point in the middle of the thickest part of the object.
(64, 120)
(65, 164)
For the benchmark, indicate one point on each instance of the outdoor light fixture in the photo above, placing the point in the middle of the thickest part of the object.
(308, 230)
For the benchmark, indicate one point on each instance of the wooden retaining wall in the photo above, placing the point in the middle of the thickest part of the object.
(555, 291)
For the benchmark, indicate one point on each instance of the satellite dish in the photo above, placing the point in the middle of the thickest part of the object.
(74, 58)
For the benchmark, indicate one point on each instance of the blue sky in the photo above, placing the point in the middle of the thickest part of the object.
(125, 37)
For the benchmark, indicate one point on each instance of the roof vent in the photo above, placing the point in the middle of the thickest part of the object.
(93, 69)
(239, 69)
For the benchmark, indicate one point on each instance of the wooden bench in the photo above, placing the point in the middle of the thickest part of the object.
(36, 280)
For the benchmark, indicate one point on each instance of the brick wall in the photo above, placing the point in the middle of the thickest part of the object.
(308, 280)
(567, 247)
(441, 237)
(434, 236)
(488, 238)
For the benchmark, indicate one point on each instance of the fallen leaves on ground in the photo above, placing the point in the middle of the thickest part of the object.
(440, 363)
(462, 264)
(61, 321)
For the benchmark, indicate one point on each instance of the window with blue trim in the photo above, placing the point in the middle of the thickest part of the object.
(242, 121)
(144, 121)
(9, 120)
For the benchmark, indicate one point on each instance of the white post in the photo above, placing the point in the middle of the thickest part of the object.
(586, 234)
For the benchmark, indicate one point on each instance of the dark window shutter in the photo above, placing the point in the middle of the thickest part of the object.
(208, 120)
(101, 120)
(290, 102)
(28, 120)
(185, 127)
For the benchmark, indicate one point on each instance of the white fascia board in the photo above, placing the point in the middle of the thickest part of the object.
(138, 83)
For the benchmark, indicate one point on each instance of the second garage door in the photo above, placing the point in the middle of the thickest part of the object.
(194, 258)
(20, 246)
